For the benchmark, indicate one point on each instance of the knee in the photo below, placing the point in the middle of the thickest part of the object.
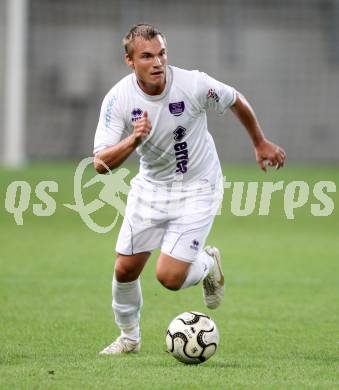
(169, 281)
(123, 273)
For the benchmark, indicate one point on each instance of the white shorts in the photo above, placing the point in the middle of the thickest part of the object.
(175, 219)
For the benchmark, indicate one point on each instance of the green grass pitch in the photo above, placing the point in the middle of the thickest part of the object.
(279, 322)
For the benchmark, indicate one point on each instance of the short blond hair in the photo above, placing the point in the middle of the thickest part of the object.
(143, 30)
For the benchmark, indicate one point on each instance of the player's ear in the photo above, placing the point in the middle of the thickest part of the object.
(129, 61)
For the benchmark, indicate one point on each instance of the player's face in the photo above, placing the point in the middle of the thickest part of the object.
(149, 64)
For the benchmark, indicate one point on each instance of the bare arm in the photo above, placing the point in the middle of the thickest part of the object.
(264, 149)
(115, 155)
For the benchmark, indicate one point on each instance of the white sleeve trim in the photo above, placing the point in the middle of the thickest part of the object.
(230, 104)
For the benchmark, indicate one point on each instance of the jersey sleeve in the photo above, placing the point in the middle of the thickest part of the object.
(111, 123)
(214, 94)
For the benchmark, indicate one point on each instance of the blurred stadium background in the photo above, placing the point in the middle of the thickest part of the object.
(284, 56)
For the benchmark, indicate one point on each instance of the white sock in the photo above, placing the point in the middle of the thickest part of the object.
(127, 303)
(132, 333)
(198, 270)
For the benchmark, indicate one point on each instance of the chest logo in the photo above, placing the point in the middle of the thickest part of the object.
(136, 114)
(180, 150)
(177, 108)
(179, 133)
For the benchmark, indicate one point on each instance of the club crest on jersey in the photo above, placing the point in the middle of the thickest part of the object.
(177, 108)
(136, 114)
(179, 133)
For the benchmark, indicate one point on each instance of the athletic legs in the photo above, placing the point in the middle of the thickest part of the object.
(126, 292)
(175, 274)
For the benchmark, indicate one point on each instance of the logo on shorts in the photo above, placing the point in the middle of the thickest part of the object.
(177, 108)
(136, 114)
(195, 245)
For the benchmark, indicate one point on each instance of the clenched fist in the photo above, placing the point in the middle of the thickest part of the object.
(270, 154)
(142, 128)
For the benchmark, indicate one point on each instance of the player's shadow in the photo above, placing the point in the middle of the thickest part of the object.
(219, 364)
(212, 364)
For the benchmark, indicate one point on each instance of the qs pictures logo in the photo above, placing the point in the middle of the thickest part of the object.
(113, 185)
(247, 199)
(18, 196)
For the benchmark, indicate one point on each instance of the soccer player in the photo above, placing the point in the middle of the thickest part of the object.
(161, 110)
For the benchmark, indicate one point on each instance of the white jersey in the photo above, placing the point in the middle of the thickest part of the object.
(179, 146)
